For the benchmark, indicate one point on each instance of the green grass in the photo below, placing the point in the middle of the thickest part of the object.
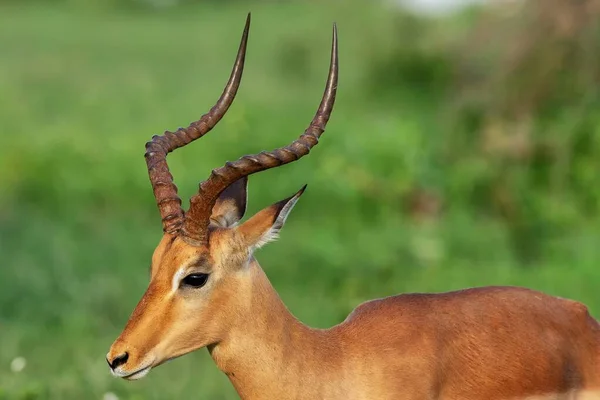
(82, 91)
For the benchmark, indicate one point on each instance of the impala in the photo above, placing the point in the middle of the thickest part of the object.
(207, 290)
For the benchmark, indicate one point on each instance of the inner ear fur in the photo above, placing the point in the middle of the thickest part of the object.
(231, 204)
(264, 226)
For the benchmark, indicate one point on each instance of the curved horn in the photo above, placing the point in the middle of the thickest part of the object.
(165, 191)
(198, 216)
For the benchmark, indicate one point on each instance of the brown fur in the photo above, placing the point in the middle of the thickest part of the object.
(482, 343)
(487, 343)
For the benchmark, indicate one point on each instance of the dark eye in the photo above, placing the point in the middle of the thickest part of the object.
(195, 280)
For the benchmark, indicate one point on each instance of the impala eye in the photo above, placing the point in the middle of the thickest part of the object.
(195, 280)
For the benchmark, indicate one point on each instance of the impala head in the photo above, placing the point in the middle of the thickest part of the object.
(200, 267)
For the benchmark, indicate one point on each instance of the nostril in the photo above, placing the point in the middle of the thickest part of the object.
(118, 360)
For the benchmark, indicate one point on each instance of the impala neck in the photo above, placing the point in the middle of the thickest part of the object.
(268, 353)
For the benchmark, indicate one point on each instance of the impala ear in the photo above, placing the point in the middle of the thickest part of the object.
(231, 204)
(265, 225)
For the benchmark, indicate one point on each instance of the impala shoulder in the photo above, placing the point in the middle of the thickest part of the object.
(572, 307)
(386, 306)
(576, 308)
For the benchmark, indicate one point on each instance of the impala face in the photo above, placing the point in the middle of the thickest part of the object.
(200, 267)
(194, 292)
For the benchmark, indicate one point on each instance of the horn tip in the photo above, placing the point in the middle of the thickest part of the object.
(334, 43)
(246, 29)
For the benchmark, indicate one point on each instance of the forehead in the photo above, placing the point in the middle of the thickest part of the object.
(172, 253)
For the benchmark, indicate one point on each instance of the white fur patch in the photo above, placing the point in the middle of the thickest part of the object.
(177, 277)
(273, 233)
(271, 236)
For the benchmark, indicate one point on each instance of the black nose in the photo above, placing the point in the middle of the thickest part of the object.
(118, 360)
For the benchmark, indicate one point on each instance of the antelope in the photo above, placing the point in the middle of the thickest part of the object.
(207, 290)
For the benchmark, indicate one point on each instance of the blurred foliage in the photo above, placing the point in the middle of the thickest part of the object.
(462, 148)
(527, 82)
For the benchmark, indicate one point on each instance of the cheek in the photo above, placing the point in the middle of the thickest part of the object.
(193, 326)
(198, 309)
(200, 317)
(173, 325)
(207, 312)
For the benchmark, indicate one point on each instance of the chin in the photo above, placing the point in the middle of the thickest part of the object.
(138, 375)
(132, 376)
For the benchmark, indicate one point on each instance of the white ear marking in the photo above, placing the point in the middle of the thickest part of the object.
(273, 233)
(271, 236)
(285, 211)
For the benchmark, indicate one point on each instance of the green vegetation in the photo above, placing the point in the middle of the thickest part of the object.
(458, 155)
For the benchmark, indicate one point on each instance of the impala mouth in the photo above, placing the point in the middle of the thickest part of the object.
(139, 374)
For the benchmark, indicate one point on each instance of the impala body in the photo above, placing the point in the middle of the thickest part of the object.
(207, 290)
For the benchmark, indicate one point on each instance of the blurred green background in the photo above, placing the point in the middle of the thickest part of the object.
(464, 150)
